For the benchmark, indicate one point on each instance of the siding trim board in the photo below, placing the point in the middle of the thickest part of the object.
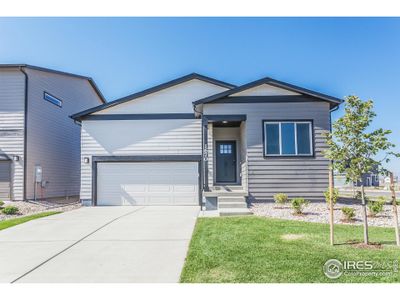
(289, 156)
(143, 158)
(265, 99)
(219, 118)
(180, 116)
(25, 133)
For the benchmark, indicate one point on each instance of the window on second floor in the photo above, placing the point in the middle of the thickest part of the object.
(52, 99)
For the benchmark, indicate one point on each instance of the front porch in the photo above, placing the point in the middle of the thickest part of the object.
(225, 165)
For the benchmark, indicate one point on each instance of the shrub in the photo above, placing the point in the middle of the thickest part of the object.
(10, 210)
(349, 213)
(335, 196)
(280, 198)
(1, 203)
(376, 207)
(298, 205)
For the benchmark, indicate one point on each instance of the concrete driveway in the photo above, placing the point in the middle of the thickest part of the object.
(99, 244)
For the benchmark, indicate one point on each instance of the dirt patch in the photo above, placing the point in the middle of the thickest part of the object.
(292, 237)
(299, 214)
(220, 274)
(360, 245)
(348, 221)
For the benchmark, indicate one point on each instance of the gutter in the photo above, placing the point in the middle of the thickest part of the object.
(25, 130)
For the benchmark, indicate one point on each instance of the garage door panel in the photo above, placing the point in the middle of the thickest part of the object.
(160, 188)
(128, 188)
(184, 188)
(149, 183)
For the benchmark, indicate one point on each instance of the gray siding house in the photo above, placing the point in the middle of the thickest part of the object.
(200, 141)
(36, 134)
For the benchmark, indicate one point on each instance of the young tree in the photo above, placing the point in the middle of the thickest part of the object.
(353, 149)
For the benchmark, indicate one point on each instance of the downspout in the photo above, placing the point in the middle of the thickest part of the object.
(25, 130)
(330, 116)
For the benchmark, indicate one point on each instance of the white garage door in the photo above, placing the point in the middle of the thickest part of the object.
(148, 183)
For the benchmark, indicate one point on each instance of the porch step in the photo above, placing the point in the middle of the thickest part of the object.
(225, 212)
(220, 194)
(232, 205)
(228, 188)
(229, 199)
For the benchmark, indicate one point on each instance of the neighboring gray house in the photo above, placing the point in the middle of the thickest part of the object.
(368, 179)
(199, 141)
(36, 134)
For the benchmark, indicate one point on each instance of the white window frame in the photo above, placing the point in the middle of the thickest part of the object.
(52, 99)
(310, 127)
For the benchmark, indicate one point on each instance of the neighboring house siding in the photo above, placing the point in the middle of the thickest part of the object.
(136, 137)
(5, 172)
(12, 101)
(53, 139)
(297, 177)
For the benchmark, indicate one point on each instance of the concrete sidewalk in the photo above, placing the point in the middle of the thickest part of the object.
(99, 244)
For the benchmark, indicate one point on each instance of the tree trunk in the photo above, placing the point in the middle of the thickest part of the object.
(364, 214)
(331, 205)
(394, 204)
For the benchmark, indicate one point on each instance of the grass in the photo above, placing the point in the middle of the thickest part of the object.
(260, 250)
(12, 222)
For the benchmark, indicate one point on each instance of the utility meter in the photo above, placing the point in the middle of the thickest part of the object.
(38, 174)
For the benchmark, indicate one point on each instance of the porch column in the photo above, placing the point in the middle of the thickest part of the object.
(205, 153)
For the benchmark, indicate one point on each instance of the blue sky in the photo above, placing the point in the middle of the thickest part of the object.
(336, 56)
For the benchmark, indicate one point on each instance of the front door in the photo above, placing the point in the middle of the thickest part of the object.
(225, 161)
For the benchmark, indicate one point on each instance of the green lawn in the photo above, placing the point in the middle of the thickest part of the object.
(12, 222)
(253, 249)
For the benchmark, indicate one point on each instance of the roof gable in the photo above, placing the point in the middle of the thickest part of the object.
(89, 79)
(153, 90)
(257, 87)
(265, 90)
(174, 99)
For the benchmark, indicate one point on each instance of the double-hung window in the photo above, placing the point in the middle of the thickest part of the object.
(288, 138)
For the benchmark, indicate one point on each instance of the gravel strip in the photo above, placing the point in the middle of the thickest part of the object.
(28, 208)
(318, 212)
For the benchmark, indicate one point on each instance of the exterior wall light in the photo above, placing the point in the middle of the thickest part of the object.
(15, 158)
(224, 122)
(86, 160)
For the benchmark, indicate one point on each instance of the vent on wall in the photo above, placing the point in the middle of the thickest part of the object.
(52, 99)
